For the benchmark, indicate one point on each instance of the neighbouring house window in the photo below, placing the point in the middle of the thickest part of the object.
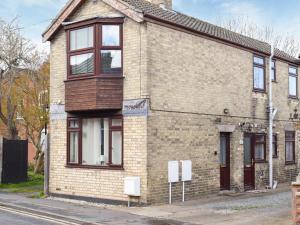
(96, 142)
(95, 50)
(275, 153)
(290, 147)
(260, 147)
(293, 79)
(273, 71)
(258, 73)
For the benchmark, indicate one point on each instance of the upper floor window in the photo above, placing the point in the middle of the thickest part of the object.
(82, 38)
(293, 80)
(258, 73)
(95, 50)
(273, 71)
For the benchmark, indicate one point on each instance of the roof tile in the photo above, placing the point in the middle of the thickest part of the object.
(206, 28)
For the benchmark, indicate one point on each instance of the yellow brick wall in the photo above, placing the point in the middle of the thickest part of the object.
(104, 184)
(191, 81)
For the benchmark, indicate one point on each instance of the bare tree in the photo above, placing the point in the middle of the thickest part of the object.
(33, 88)
(14, 55)
(244, 26)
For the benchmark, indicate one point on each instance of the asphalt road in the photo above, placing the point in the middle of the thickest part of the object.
(8, 218)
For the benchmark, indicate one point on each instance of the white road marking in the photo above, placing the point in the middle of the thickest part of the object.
(37, 216)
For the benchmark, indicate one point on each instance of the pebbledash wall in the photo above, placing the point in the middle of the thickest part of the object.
(189, 80)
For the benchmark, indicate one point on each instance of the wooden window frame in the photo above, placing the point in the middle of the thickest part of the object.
(292, 140)
(96, 49)
(264, 70)
(275, 150)
(296, 76)
(69, 130)
(259, 142)
(111, 129)
(274, 69)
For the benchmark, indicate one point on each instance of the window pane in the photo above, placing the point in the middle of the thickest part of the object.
(290, 135)
(259, 60)
(292, 86)
(223, 150)
(289, 152)
(116, 140)
(74, 124)
(259, 151)
(111, 61)
(273, 75)
(82, 38)
(260, 138)
(82, 64)
(259, 82)
(116, 122)
(273, 64)
(95, 141)
(247, 151)
(292, 70)
(74, 147)
(111, 35)
(274, 146)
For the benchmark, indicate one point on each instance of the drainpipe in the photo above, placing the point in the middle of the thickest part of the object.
(271, 117)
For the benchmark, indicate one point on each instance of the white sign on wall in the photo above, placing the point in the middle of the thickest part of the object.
(57, 112)
(173, 171)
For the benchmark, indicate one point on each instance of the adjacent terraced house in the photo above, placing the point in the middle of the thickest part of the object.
(135, 84)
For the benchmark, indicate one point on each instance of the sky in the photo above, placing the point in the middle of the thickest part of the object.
(282, 15)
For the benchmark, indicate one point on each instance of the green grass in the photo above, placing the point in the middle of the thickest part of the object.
(34, 183)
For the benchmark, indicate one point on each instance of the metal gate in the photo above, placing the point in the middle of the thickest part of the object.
(14, 161)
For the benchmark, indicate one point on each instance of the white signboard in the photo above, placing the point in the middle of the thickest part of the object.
(57, 112)
(173, 171)
(186, 170)
(137, 107)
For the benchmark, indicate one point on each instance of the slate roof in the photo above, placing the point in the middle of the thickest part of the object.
(205, 28)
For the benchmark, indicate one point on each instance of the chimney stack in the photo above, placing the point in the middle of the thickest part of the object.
(166, 3)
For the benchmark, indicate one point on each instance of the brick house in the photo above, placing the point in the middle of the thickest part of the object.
(190, 90)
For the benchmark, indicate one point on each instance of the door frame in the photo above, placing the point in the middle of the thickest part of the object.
(225, 172)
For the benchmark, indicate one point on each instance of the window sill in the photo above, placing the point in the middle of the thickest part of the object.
(293, 97)
(260, 161)
(119, 168)
(104, 76)
(259, 91)
(290, 163)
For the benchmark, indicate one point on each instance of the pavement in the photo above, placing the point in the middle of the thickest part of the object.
(259, 208)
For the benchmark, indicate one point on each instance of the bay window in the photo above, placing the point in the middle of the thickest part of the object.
(95, 142)
(95, 49)
(258, 73)
(293, 80)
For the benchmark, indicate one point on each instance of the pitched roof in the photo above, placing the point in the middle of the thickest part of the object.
(192, 24)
